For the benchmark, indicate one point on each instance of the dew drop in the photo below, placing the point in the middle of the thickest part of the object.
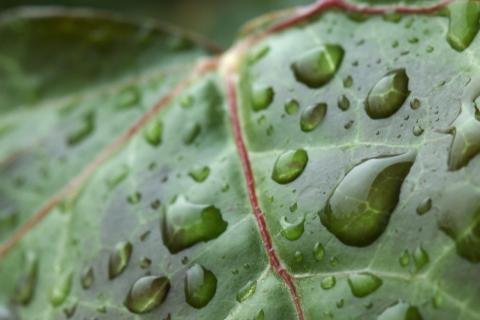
(134, 198)
(298, 256)
(117, 176)
(318, 251)
(424, 206)
(153, 133)
(289, 165)
(317, 66)
(247, 291)
(359, 208)
(348, 82)
(328, 282)
(312, 116)
(260, 315)
(388, 95)
(401, 311)
(417, 130)
(463, 26)
(82, 130)
(291, 107)
(200, 286)
(187, 101)
(363, 284)
(147, 293)
(404, 259)
(145, 262)
(25, 288)
(119, 259)
(199, 174)
(87, 277)
(343, 103)
(420, 257)
(257, 54)
(61, 289)
(191, 134)
(292, 230)
(128, 97)
(261, 96)
(185, 224)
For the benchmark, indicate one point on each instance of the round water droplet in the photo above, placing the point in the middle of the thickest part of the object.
(318, 251)
(153, 133)
(145, 262)
(292, 230)
(247, 291)
(261, 96)
(420, 257)
(359, 208)
(134, 198)
(83, 129)
(61, 289)
(87, 278)
(147, 293)
(424, 206)
(291, 107)
(401, 311)
(363, 284)
(417, 130)
(289, 165)
(68, 311)
(187, 101)
(298, 256)
(348, 82)
(328, 282)
(27, 283)
(200, 286)
(312, 116)
(317, 66)
(404, 259)
(415, 104)
(119, 259)
(343, 103)
(184, 224)
(199, 174)
(128, 97)
(463, 26)
(388, 95)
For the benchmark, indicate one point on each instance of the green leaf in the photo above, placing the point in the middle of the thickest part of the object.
(326, 167)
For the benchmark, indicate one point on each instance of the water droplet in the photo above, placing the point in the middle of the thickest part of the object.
(25, 288)
(261, 96)
(463, 26)
(134, 198)
(61, 289)
(187, 101)
(328, 282)
(128, 97)
(415, 104)
(184, 224)
(401, 311)
(388, 95)
(404, 259)
(199, 174)
(117, 176)
(358, 210)
(417, 130)
(298, 256)
(317, 66)
(343, 103)
(312, 116)
(191, 134)
(82, 129)
(119, 259)
(289, 165)
(420, 257)
(291, 107)
(145, 262)
(424, 206)
(437, 298)
(147, 293)
(363, 284)
(292, 230)
(318, 251)
(87, 278)
(392, 17)
(153, 133)
(200, 286)
(257, 54)
(68, 311)
(348, 82)
(247, 291)
(260, 315)
(293, 207)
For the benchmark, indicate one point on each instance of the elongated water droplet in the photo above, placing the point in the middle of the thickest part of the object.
(260, 315)
(247, 291)
(261, 96)
(424, 206)
(153, 133)
(420, 257)
(128, 97)
(117, 176)
(363, 284)
(401, 311)
(328, 282)
(87, 278)
(318, 251)
(291, 107)
(343, 103)
(257, 54)
(404, 259)
(191, 134)
(463, 26)
(358, 210)
(28, 281)
(292, 230)
(348, 82)
(199, 174)
(119, 259)
(289, 165)
(184, 224)
(200, 286)
(317, 66)
(147, 293)
(312, 116)
(388, 95)
(83, 129)
(61, 289)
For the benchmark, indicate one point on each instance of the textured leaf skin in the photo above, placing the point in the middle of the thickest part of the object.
(419, 264)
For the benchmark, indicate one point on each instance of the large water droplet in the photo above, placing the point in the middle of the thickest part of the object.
(317, 66)
(61, 289)
(200, 286)
(261, 96)
(247, 291)
(401, 311)
(289, 165)
(388, 95)
(87, 277)
(312, 116)
(363, 284)
(184, 224)
(119, 259)
(358, 210)
(26, 286)
(328, 282)
(424, 206)
(153, 133)
(292, 230)
(147, 293)
(82, 129)
(463, 27)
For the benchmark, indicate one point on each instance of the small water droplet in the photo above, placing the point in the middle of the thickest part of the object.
(318, 251)
(392, 17)
(145, 262)
(260, 315)
(199, 174)
(291, 107)
(312, 116)
(401, 311)
(83, 129)
(328, 282)
(404, 259)
(420, 257)
(200, 286)
(388, 95)
(292, 230)
(128, 97)
(317, 66)
(67, 311)
(184, 224)
(117, 176)
(257, 54)
(261, 96)
(87, 277)
(153, 133)
(348, 82)
(191, 134)
(134, 198)
(61, 289)
(340, 303)
(363, 284)
(298, 256)
(147, 293)
(25, 288)
(424, 206)
(415, 104)
(247, 291)
(417, 130)
(187, 101)
(343, 103)
(359, 208)
(119, 259)
(293, 207)
(463, 26)
(289, 165)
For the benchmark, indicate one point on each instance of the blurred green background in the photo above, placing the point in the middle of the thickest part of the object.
(219, 20)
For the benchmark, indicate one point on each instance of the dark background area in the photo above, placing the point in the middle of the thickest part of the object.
(219, 20)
